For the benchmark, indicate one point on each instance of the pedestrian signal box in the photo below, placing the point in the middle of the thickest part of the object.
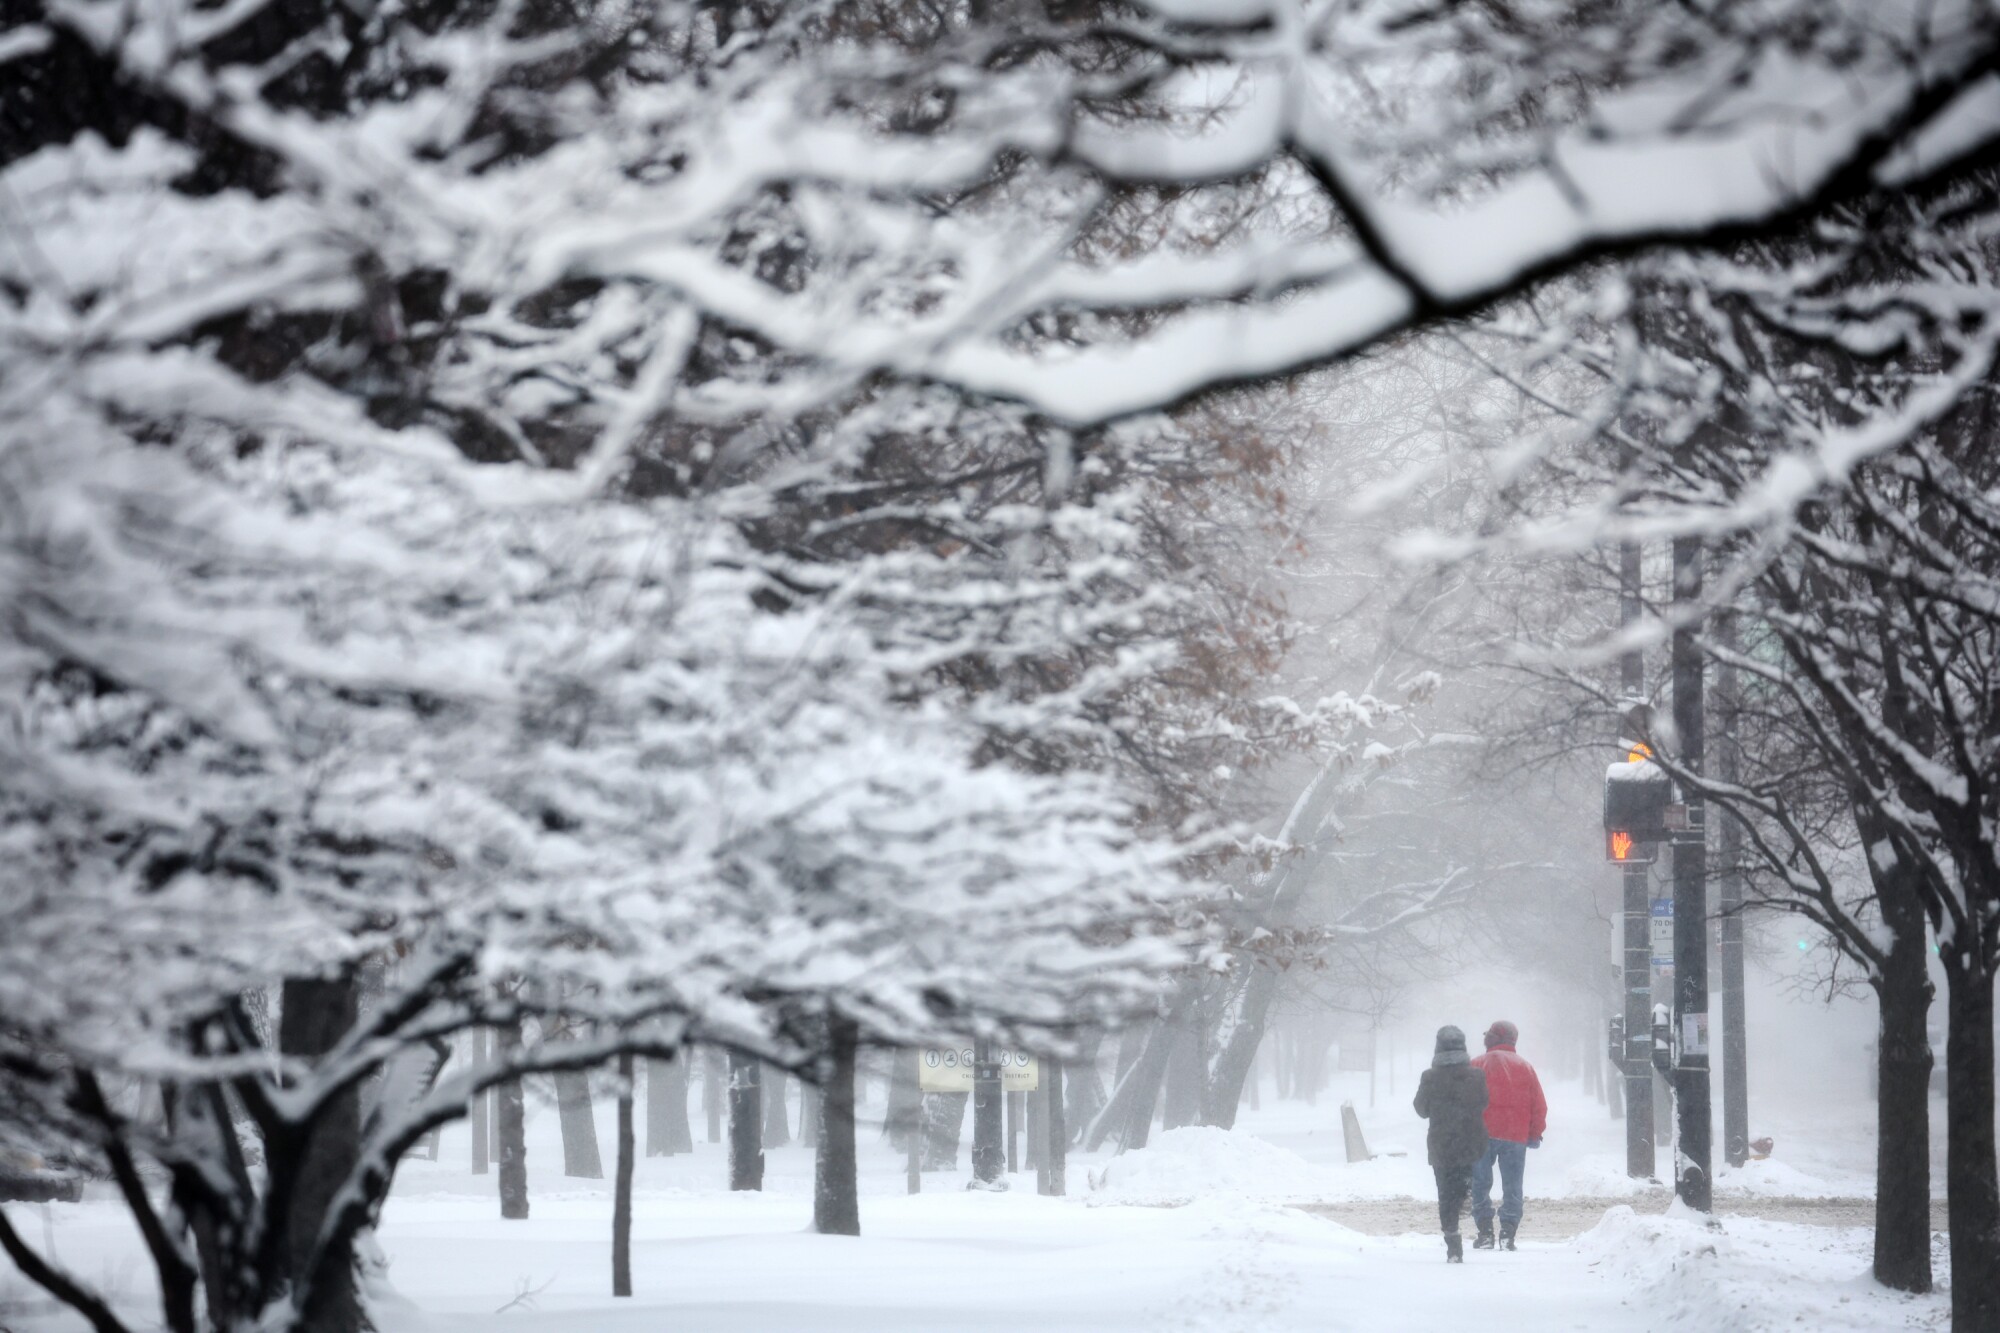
(1636, 796)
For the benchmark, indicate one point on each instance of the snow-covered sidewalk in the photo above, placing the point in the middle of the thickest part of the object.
(951, 1261)
(1203, 1230)
(976, 1261)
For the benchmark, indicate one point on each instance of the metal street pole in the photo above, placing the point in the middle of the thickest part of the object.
(1638, 1062)
(1692, 1174)
(1735, 1045)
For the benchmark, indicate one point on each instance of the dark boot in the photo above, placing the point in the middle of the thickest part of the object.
(1454, 1249)
(1484, 1240)
(1507, 1235)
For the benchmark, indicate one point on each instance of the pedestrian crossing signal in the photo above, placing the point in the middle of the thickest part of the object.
(1621, 847)
(1636, 795)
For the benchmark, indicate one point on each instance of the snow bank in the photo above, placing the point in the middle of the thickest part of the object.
(1653, 1248)
(1597, 1176)
(1200, 1161)
(1747, 1276)
(1602, 1176)
(1773, 1177)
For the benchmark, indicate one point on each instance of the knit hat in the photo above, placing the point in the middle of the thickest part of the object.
(1450, 1048)
(1502, 1033)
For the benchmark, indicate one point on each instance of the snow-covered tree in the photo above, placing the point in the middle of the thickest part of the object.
(1813, 412)
(305, 697)
(401, 409)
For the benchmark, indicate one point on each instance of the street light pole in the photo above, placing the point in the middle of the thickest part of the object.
(1692, 1174)
(1735, 1044)
(1637, 1065)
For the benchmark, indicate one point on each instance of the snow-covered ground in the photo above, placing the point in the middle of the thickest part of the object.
(1300, 1155)
(1229, 1255)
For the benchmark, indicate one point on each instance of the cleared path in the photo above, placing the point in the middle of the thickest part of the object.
(1559, 1219)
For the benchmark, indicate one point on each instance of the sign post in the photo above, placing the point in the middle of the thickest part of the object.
(1693, 1178)
(952, 1069)
(964, 1069)
(989, 1154)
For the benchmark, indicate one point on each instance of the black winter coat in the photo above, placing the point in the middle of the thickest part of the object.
(1453, 1099)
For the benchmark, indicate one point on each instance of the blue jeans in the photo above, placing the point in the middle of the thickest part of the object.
(1512, 1159)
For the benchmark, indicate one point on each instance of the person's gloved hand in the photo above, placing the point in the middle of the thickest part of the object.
(1535, 1142)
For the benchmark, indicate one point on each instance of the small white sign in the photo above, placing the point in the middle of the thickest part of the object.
(1662, 935)
(949, 1069)
(1694, 1034)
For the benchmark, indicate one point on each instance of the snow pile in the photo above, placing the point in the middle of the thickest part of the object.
(1773, 1177)
(1598, 1175)
(1747, 1275)
(1650, 1249)
(1200, 1161)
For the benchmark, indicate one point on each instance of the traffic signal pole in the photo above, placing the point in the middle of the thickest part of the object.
(1692, 1174)
(1637, 1064)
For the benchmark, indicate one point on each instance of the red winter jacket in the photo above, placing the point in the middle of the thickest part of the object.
(1515, 1108)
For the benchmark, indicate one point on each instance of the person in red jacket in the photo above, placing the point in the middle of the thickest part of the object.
(1516, 1115)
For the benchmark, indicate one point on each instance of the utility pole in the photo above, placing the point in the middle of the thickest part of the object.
(1735, 1046)
(1692, 1175)
(1638, 1061)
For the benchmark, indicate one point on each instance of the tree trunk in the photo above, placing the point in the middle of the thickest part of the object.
(1130, 1043)
(1083, 1087)
(667, 1128)
(809, 1115)
(1249, 1012)
(621, 1195)
(777, 1130)
(1036, 1134)
(1187, 1072)
(943, 1119)
(478, 1112)
(201, 1120)
(1058, 1129)
(316, 1015)
(836, 1193)
(714, 1091)
(1312, 1064)
(579, 1125)
(746, 1123)
(1902, 1135)
(1129, 1112)
(1973, 1192)
(511, 1128)
(1903, 1061)
(904, 1117)
(658, 1140)
(989, 1153)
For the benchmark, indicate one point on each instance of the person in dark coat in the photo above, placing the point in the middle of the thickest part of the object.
(1452, 1096)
